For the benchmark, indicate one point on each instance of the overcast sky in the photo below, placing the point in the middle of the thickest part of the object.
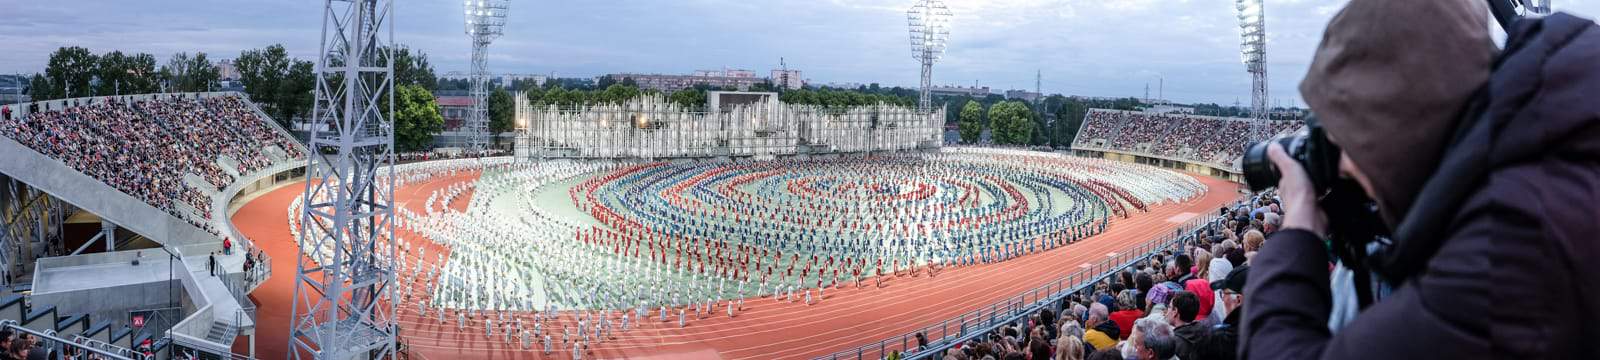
(1083, 47)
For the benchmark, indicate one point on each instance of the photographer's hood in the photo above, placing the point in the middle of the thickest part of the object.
(1389, 81)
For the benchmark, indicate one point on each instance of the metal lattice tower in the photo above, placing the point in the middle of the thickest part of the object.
(930, 32)
(486, 19)
(1253, 52)
(344, 304)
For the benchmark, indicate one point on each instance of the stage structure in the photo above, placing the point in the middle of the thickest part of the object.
(344, 304)
(485, 21)
(1253, 52)
(651, 127)
(930, 31)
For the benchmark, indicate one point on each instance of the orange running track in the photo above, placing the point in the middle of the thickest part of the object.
(766, 328)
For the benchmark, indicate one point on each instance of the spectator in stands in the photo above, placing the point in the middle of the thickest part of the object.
(1107, 354)
(1491, 208)
(1181, 314)
(1252, 243)
(1129, 310)
(20, 348)
(1069, 348)
(5, 341)
(1142, 282)
(1200, 285)
(1158, 347)
(1102, 332)
(1223, 341)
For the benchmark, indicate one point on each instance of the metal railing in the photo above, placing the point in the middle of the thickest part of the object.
(79, 344)
(970, 325)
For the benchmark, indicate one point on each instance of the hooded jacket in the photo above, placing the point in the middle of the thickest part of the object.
(1107, 328)
(1495, 252)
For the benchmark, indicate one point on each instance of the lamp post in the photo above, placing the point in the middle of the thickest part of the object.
(485, 21)
(1253, 53)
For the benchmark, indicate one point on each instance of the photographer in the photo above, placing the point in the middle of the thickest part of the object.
(1484, 169)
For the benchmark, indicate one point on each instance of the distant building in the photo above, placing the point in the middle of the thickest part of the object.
(844, 85)
(1023, 95)
(973, 91)
(739, 73)
(670, 83)
(507, 80)
(454, 109)
(788, 79)
(226, 70)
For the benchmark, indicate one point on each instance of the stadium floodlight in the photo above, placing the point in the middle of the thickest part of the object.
(1253, 53)
(929, 21)
(485, 21)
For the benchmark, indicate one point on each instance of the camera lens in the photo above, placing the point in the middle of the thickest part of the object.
(1259, 173)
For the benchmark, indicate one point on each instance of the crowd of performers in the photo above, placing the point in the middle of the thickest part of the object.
(673, 242)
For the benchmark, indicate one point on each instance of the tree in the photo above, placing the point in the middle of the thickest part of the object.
(688, 98)
(416, 118)
(501, 109)
(69, 71)
(123, 74)
(1011, 123)
(295, 93)
(281, 85)
(412, 69)
(971, 123)
(190, 74)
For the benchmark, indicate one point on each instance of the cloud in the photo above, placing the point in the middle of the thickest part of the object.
(1082, 47)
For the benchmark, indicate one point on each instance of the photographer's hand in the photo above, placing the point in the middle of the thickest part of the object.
(1300, 209)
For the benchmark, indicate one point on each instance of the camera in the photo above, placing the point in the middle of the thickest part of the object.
(1353, 220)
(1309, 147)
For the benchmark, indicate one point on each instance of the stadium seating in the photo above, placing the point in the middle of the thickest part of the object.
(171, 153)
(1205, 139)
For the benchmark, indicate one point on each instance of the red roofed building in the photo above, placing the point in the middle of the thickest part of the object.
(454, 109)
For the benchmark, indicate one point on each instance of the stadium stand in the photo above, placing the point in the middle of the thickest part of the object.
(1218, 141)
(166, 167)
(114, 141)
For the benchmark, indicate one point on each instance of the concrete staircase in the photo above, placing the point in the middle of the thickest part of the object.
(222, 332)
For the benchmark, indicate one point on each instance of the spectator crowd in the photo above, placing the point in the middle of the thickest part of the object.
(1183, 304)
(1207, 139)
(143, 148)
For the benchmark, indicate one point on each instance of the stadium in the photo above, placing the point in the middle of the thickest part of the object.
(736, 223)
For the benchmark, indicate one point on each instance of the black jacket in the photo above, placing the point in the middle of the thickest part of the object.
(1495, 259)
(1191, 337)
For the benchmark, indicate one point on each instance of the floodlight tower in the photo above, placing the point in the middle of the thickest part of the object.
(930, 31)
(485, 21)
(344, 304)
(1253, 52)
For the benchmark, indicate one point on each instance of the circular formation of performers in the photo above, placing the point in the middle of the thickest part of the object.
(681, 240)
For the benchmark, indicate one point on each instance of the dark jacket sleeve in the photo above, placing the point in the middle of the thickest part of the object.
(1438, 315)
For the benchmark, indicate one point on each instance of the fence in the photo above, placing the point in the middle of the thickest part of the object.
(80, 346)
(970, 325)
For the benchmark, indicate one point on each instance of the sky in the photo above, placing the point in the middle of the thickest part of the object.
(1186, 50)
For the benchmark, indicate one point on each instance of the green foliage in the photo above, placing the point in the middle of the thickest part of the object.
(126, 74)
(971, 123)
(1012, 123)
(283, 87)
(186, 73)
(688, 98)
(616, 93)
(842, 98)
(502, 107)
(411, 69)
(68, 74)
(416, 118)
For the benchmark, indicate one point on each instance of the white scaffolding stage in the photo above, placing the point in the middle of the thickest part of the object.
(651, 127)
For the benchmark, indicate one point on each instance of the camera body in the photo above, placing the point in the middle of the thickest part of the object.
(1310, 147)
(1353, 219)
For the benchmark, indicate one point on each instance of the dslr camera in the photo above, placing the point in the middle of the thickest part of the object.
(1353, 220)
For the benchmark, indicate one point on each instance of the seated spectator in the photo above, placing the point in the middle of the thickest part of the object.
(1102, 332)
(1129, 311)
(1181, 314)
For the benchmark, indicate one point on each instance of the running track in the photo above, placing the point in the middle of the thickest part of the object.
(766, 328)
